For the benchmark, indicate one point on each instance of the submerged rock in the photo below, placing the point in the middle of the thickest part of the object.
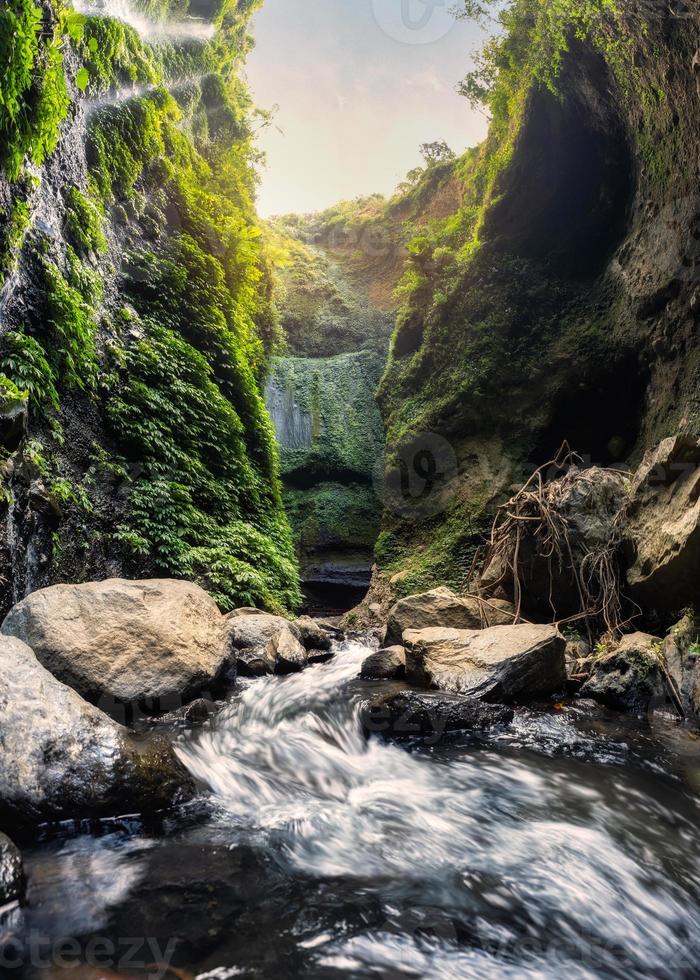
(629, 678)
(663, 527)
(12, 881)
(386, 664)
(63, 758)
(190, 715)
(424, 714)
(118, 639)
(503, 663)
(442, 607)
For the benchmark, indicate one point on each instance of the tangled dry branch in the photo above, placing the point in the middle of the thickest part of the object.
(536, 521)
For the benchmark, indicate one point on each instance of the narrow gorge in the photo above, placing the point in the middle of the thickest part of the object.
(349, 558)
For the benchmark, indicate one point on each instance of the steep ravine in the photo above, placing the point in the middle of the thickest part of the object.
(560, 301)
(321, 398)
(135, 323)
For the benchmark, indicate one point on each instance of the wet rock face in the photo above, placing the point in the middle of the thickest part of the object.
(429, 715)
(504, 663)
(124, 640)
(62, 758)
(386, 664)
(663, 527)
(442, 607)
(629, 678)
(253, 641)
(11, 872)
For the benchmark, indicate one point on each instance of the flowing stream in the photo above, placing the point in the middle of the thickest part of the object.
(565, 846)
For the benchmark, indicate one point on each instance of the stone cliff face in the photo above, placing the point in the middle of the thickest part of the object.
(320, 396)
(561, 301)
(135, 319)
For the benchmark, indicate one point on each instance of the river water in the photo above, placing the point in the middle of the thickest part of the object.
(565, 846)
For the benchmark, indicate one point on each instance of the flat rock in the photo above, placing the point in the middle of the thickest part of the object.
(503, 663)
(118, 639)
(443, 608)
(12, 881)
(386, 664)
(628, 678)
(428, 714)
(63, 758)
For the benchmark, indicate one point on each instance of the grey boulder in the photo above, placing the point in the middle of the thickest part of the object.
(290, 653)
(124, 640)
(62, 758)
(504, 663)
(312, 634)
(386, 664)
(629, 677)
(662, 535)
(442, 607)
(253, 639)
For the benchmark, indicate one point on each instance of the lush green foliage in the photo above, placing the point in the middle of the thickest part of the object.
(85, 222)
(33, 94)
(198, 481)
(70, 302)
(24, 360)
(113, 53)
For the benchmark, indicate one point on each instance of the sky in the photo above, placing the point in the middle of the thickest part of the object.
(360, 84)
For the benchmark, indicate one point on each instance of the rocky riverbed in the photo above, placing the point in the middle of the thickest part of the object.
(321, 805)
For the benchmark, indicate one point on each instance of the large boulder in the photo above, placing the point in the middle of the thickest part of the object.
(123, 640)
(386, 664)
(555, 538)
(500, 664)
(629, 677)
(662, 535)
(62, 758)
(313, 635)
(253, 639)
(429, 715)
(290, 654)
(442, 607)
(12, 881)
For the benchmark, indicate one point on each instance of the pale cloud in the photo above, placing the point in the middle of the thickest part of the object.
(355, 103)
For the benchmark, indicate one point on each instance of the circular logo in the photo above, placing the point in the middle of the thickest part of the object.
(414, 21)
(420, 477)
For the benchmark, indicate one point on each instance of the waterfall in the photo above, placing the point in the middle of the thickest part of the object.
(149, 29)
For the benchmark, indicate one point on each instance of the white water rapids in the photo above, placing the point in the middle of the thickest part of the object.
(550, 867)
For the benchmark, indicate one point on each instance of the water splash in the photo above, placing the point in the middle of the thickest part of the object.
(505, 847)
(193, 28)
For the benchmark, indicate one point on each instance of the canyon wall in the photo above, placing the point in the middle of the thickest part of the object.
(136, 321)
(560, 301)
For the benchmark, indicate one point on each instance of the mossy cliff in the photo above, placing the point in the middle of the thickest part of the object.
(321, 398)
(135, 314)
(560, 299)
